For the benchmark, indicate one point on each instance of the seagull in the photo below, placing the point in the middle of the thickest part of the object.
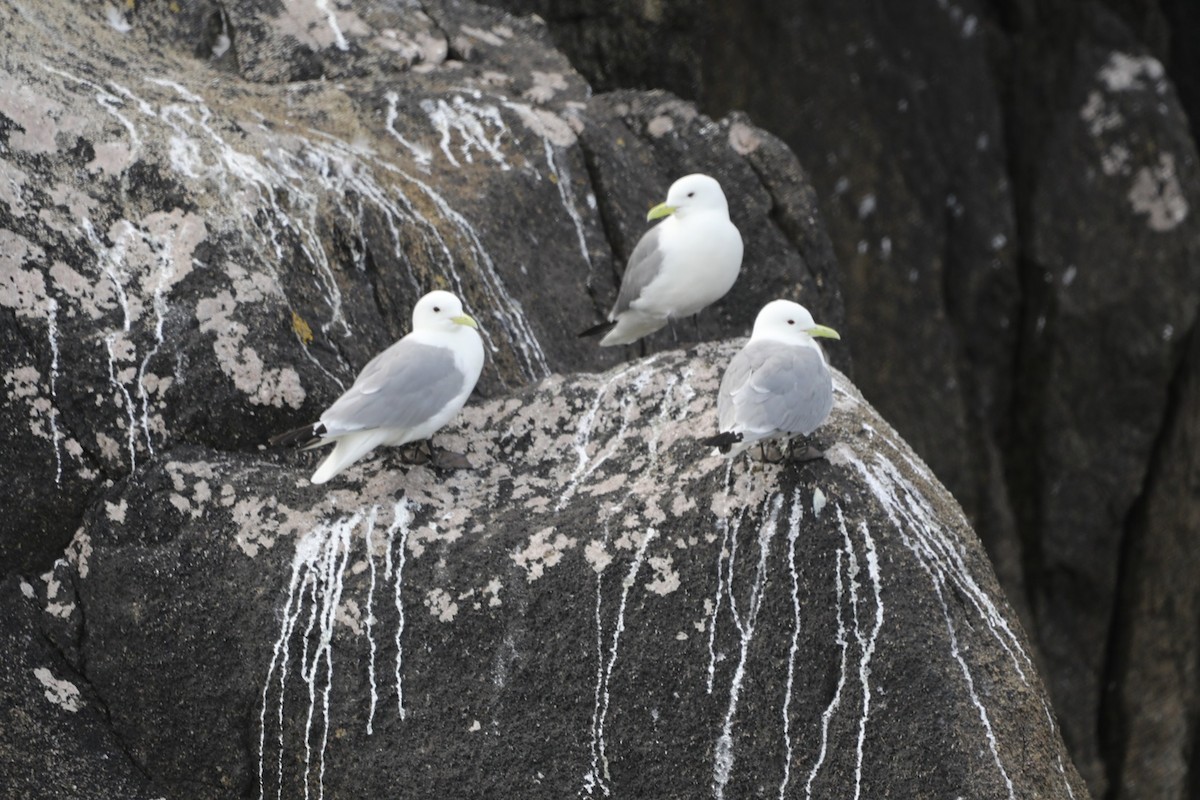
(683, 264)
(778, 385)
(404, 394)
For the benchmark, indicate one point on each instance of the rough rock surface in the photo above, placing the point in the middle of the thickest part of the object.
(57, 739)
(1096, 392)
(207, 251)
(600, 607)
(210, 218)
(1011, 189)
(1157, 657)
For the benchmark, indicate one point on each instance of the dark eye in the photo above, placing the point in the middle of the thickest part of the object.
(790, 321)
(437, 310)
(691, 194)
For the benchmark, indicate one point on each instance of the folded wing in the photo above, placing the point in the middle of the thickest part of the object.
(400, 388)
(774, 388)
(644, 266)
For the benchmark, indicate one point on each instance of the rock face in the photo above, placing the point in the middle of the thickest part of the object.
(211, 218)
(1097, 398)
(1156, 660)
(193, 254)
(600, 607)
(1011, 190)
(58, 740)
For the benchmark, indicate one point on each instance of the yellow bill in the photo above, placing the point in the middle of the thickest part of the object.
(659, 211)
(821, 330)
(466, 319)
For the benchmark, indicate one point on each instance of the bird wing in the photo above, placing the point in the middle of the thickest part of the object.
(644, 266)
(400, 388)
(771, 387)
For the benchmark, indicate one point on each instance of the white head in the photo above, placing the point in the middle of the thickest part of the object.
(440, 311)
(785, 321)
(689, 194)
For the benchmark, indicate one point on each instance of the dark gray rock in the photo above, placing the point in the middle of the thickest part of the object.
(1033, 172)
(203, 241)
(599, 606)
(205, 251)
(1156, 667)
(57, 741)
(1096, 390)
(896, 116)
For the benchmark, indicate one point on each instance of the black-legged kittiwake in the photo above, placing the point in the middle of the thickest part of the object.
(778, 385)
(404, 394)
(685, 263)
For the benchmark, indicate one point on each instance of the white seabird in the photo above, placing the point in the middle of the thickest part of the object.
(778, 385)
(404, 394)
(685, 263)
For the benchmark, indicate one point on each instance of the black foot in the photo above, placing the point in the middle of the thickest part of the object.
(775, 452)
(444, 459)
(425, 452)
(770, 452)
(417, 452)
(799, 454)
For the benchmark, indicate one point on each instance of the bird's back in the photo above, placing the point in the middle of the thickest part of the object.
(400, 388)
(775, 388)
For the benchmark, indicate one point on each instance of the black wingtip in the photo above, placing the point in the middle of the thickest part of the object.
(722, 441)
(596, 330)
(300, 437)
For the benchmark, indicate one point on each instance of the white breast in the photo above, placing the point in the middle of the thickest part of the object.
(703, 255)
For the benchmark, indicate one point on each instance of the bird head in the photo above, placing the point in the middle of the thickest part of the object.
(691, 193)
(786, 321)
(440, 311)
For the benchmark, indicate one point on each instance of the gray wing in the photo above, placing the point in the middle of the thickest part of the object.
(643, 267)
(772, 387)
(401, 387)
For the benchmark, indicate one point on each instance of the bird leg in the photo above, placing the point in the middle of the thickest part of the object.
(771, 454)
(426, 452)
(417, 452)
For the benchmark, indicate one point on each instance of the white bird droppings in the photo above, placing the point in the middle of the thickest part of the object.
(59, 691)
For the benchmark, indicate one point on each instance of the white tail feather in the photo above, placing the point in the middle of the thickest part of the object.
(631, 326)
(346, 451)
